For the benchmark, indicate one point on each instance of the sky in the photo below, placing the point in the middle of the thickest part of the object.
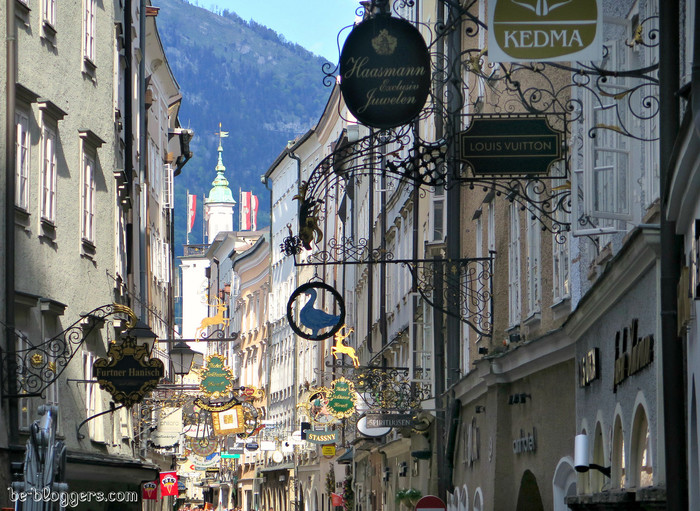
(313, 24)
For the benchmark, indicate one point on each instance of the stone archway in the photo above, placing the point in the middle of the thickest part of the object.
(529, 498)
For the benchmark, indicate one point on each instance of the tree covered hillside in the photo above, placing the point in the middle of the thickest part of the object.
(263, 90)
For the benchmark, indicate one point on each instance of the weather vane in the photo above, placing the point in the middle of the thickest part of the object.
(221, 134)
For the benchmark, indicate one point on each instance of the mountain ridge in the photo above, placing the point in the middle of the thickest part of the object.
(263, 90)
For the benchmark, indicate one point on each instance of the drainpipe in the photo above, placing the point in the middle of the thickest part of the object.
(143, 202)
(296, 285)
(10, 145)
(671, 347)
(295, 367)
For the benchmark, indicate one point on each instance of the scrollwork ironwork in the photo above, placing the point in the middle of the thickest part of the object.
(35, 367)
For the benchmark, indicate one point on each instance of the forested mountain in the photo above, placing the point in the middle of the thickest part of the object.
(263, 90)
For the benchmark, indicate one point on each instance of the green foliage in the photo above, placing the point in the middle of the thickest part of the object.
(408, 496)
(264, 91)
(330, 481)
(348, 493)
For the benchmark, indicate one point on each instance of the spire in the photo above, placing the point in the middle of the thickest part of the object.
(220, 192)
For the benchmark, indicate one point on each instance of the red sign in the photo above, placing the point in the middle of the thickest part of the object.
(337, 500)
(430, 503)
(149, 490)
(168, 484)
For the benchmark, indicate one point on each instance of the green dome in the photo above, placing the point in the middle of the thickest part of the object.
(220, 192)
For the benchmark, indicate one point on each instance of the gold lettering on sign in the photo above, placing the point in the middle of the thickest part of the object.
(632, 354)
(588, 368)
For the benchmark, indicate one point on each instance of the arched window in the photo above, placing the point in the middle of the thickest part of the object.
(563, 483)
(529, 498)
(478, 500)
(597, 477)
(640, 451)
(463, 499)
(452, 502)
(618, 455)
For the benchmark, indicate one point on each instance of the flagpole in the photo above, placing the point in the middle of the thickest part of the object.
(187, 217)
(240, 209)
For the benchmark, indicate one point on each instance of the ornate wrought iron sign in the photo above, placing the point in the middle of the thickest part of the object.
(217, 380)
(389, 420)
(385, 72)
(510, 144)
(342, 398)
(127, 373)
(314, 323)
(541, 30)
(229, 422)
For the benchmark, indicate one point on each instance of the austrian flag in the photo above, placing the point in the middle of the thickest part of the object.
(249, 212)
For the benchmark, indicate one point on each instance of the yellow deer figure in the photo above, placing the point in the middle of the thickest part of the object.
(341, 348)
(218, 319)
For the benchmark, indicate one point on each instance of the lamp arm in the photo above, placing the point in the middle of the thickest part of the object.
(112, 408)
(604, 470)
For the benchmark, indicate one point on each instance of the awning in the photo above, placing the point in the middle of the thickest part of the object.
(101, 467)
(286, 466)
(347, 457)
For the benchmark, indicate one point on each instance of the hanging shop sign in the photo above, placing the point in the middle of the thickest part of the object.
(385, 72)
(203, 447)
(342, 398)
(168, 484)
(217, 380)
(321, 316)
(128, 373)
(149, 491)
(229, 422)
(366, 430)
(167, 434)
(511, 145)
(632, 353)
(389, 420)
(544, 30)
(322, 437)
(252, 446)
(328, 451)
(588, 368)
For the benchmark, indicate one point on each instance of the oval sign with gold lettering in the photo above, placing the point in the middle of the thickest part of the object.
(385, 72)
(542, 30)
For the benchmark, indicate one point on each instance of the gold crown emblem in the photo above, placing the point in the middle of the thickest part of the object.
(384, 44)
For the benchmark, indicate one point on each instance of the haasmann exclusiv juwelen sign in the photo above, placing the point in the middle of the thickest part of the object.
(544, 30)
(385, 72)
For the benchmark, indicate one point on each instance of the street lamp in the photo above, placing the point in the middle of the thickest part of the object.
(182, 356)
(142, 334)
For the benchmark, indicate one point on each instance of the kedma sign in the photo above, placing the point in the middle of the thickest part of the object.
(544, 30)
(385, 72)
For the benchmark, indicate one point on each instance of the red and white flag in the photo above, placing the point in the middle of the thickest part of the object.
(249, 212)
(150, 490)
(191, 211)
(337, 500)
(168, 484)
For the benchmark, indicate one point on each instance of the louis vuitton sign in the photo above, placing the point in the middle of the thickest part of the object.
(385, 72)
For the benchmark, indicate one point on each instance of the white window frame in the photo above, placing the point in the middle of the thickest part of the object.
(514, 308)
(534, 262)
(87, 195)
(48, 12)
(49, 138)
(438, 214)
(89, 13)
(93, 401)
(168, 181)
(22, 159)
(561, 262)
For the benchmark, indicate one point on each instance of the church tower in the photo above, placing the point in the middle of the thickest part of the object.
(218, 207)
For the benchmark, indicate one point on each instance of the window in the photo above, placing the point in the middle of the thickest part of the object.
(48, 175)
(533, 264)
(514, 266)
(438, 214)
(22, 160)
(168, 175)
(26, 406)
(92, 399)
(560, 261)
(88, 196)
(89, 29)
(49, 12)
